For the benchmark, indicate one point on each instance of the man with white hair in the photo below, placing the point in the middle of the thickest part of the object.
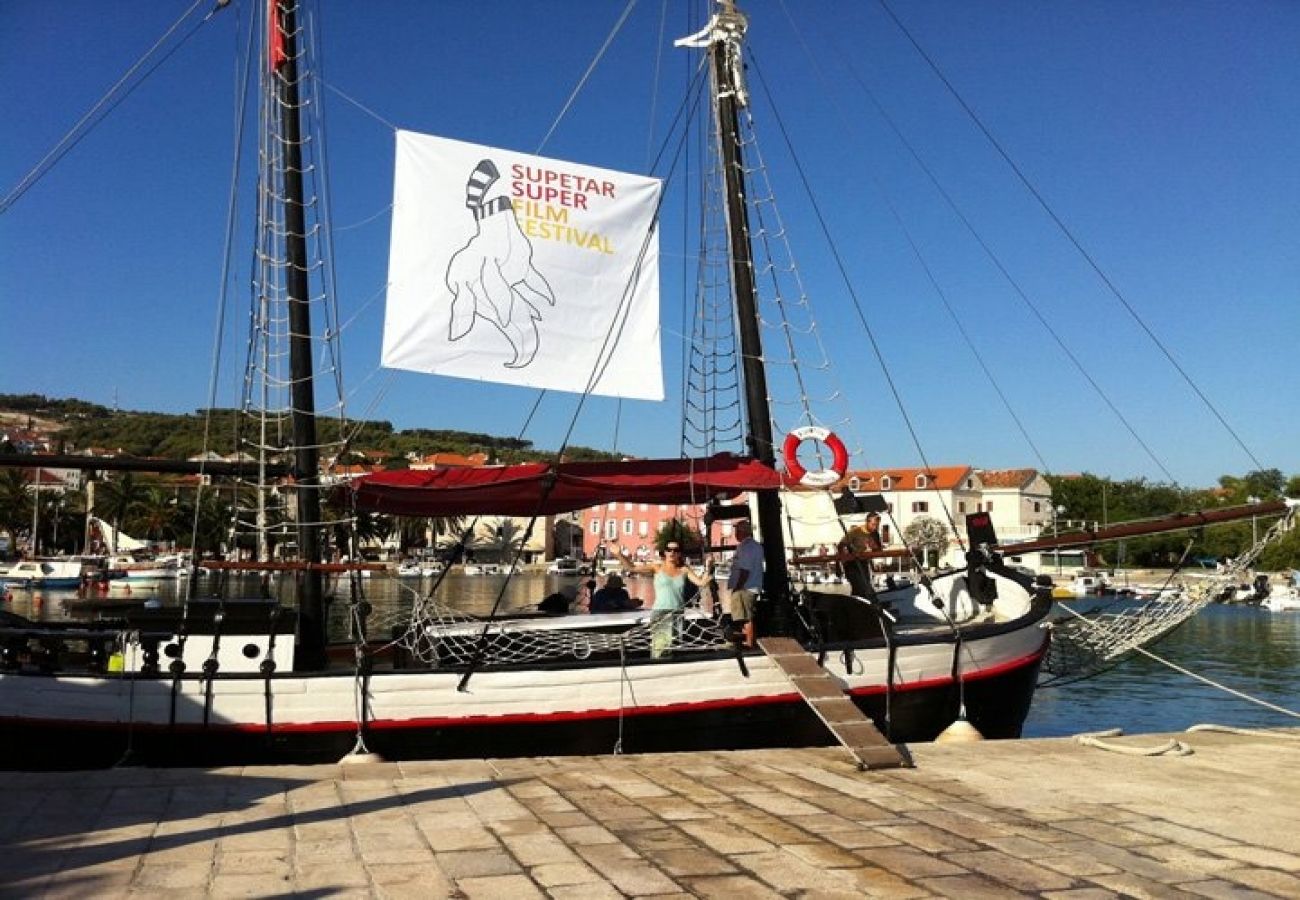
(745, 580)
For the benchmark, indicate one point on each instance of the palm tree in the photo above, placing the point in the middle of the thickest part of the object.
(156, 514)
(120, 498)
(206, 515)
(15, 502)
(509, 537)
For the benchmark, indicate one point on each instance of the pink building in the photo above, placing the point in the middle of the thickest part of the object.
(634, 525)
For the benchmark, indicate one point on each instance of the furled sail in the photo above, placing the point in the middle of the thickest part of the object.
(545, 489)
(523, 270)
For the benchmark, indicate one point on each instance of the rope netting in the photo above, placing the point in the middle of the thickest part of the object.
(1088, 643)
(440, 637)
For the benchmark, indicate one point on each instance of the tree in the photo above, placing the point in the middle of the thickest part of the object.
(156, 514)
(930, 536)
(119, 498)
(15, 502)
(1264, 484)
(678, 531)
(510, 537)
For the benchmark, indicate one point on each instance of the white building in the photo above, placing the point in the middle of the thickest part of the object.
(1018, 500)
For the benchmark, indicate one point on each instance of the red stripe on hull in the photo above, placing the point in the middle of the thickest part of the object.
(285, 728)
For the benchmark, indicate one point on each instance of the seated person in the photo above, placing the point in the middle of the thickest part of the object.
(613, 597)
(561, 601)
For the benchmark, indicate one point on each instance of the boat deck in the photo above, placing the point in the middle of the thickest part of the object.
(1046, 818)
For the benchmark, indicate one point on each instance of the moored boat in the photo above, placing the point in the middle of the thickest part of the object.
(221, 683)
(31, 574)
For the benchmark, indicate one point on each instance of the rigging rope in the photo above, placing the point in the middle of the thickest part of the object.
(1069, 235)
(876, 349)
(105, 105)
(1089, 644)
(577, 88)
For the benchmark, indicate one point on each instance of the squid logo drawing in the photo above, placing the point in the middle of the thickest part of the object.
(492, 277)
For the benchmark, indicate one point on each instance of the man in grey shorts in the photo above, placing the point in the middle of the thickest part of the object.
(746, 579)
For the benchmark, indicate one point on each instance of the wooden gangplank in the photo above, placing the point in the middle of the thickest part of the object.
(857, 733)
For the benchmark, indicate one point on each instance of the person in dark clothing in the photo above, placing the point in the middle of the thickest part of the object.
(613, 597)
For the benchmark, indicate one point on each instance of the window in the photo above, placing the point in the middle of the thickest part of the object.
(920, 506)
(644, 507)
(613, 506)
(643, 528)
(627, 526)
(920, 482)
(855, 484)
(611, 529)
(595, 526)
(1036, 506)
(627, 507)
(961, 506)
(988, 507)
(886, 483)
(884, 535)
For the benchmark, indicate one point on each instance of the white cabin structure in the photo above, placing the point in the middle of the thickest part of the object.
(1019, 501)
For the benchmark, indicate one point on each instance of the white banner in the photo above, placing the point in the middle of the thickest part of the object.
(524, 270)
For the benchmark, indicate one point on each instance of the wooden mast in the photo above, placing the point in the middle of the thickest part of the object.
(725, 35)
(283, 60)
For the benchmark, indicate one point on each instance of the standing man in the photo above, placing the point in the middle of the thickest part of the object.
(745, 580)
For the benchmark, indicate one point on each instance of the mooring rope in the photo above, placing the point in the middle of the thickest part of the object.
(1171, 747)
(1251, 732)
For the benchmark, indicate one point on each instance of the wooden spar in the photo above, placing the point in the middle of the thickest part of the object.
(289, 566)
(138, 464)
(891, 553)
(1174, 522)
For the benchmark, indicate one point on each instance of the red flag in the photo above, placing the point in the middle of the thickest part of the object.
(275, 36)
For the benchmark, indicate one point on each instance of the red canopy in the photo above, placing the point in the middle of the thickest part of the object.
(543, 488)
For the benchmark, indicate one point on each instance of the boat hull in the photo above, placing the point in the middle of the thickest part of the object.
(711, 703)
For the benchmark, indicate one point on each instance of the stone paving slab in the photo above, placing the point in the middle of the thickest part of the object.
(1039, 818)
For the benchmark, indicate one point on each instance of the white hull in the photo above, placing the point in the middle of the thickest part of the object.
(695, 698)
(1286, 600)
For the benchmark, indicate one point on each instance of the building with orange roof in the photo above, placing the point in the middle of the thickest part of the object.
(1019, 501)
(444, 460)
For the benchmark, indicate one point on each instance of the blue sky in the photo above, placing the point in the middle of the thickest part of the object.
(1164, 134)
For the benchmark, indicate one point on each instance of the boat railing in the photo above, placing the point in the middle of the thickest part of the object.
(47, 648)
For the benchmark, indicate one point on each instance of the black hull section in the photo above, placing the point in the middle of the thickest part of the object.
(997, 706)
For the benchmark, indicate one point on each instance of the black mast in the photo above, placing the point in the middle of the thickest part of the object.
(725, 34)
(311, 606)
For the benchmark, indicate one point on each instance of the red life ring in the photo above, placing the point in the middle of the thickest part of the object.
(822, 477)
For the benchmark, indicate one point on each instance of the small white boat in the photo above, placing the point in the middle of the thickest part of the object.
(480, 569)
(42, 573)
(565, 565)
(1282, 600)
(414, 568)
(1082, 585)
(137, 570)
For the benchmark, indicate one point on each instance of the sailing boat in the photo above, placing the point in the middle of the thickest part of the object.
(228, 682)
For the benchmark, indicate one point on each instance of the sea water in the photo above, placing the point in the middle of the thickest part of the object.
(1239, 648)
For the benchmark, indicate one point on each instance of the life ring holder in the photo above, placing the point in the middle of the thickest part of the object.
(822, 477)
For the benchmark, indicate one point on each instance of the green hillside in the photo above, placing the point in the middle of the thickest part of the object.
(78, 425)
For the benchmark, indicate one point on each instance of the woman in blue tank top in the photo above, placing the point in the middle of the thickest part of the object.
(670, 577)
